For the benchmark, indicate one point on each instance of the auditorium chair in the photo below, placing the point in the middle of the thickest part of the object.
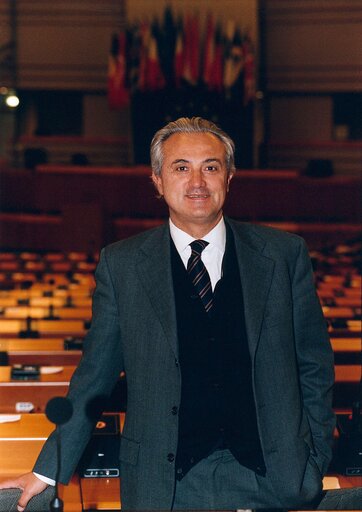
(342, 499)
(40, 503)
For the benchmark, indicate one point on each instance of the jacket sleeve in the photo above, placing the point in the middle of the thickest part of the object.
(92, 382)
(315, 359)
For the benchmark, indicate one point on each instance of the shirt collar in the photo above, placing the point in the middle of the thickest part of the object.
(216, 237)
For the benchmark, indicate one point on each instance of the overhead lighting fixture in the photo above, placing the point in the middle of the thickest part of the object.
(10, 97)
(12, 100)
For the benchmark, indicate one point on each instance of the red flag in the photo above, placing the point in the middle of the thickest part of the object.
(249, 70)
(209, 50)
(191, 50)
(142, 74)
(118, 95)
(154, 76)
(150, 74)
(179, 57)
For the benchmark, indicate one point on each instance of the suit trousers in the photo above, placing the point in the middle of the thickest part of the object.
(219, 482)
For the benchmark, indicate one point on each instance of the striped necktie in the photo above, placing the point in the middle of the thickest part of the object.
(199, 275)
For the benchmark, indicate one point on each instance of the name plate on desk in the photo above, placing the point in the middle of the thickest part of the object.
(25, 372)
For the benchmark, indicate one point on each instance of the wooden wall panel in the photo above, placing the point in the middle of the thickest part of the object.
(314, 45)
(64, 44)
(301, 118)
(346, 157)
(7, 45)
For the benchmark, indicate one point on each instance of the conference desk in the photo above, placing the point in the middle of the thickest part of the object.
(51, 312)
(38, 300)
(43, 351)
(37, 392)
(335, 312)
(21, 442)
(44, 328)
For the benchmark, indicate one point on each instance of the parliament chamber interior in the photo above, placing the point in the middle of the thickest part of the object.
(75, 176)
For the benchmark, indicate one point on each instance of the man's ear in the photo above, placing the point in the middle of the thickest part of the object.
(157, 181)
(229, 178)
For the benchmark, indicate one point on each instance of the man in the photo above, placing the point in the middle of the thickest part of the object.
(228, 364)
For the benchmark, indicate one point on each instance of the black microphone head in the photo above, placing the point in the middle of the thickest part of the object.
(59, 410)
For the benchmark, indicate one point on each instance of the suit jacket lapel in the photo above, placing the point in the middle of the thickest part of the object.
(256, 272)
(154, 269)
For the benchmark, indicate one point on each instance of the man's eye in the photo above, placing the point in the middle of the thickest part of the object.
(181, 168)
(211, 168)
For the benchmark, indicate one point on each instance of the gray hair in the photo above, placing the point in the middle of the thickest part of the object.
(190, 125)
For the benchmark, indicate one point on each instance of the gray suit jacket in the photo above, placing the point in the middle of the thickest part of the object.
(134, 329)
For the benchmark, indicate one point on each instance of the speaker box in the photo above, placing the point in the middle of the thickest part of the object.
(101, 456)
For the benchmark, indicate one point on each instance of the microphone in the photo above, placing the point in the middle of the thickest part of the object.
(58, 410)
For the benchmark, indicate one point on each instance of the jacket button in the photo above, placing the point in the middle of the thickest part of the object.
(177, 363)
(174, 410)
(170, 457)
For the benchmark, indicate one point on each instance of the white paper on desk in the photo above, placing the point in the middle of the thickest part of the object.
(9, 418)
(48, 370)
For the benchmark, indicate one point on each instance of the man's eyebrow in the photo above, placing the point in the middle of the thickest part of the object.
(180, 160)
(208, 160)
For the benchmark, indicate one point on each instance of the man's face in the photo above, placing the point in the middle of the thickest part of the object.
(194, 181)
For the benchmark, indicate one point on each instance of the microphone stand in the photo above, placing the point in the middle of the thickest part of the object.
(57, 505)
(58, 410)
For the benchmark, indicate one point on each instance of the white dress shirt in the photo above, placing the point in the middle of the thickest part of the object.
(212, 257)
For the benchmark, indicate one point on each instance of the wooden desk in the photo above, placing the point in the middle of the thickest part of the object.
(44, 351)
(40, 301)
(46, 328)
(345, 344)
(352, 329)
(338, 312)
(37, 392)
(20, 444)
(348, 373)
(37, 312)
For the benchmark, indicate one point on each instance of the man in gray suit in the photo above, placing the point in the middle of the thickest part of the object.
(220, 332)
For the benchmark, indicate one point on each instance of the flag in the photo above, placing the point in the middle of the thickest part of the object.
(214, 73)
(154, 76)
(133, 56)
(145, 33)
(234, 58)
(191, 50)
(118, 95)
(249, 70)
(179, 55)
(209, 50)
(166, 43)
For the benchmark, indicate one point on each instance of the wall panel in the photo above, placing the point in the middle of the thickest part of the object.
(314, 45)
(64, 44)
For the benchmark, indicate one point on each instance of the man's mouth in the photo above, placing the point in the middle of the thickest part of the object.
(197, 196)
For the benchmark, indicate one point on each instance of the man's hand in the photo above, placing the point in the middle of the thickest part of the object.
(29, 484)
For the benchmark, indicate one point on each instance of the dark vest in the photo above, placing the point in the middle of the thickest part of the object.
(217, 407)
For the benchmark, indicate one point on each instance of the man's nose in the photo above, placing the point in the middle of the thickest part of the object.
(197, 178)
